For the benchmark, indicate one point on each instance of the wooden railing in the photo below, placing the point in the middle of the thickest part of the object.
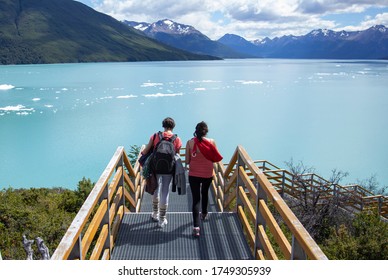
(253, 189)
(352, 198)
(244, 188)
(93, 232)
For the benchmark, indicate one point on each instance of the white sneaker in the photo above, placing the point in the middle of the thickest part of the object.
(155, 217)
(163, 223)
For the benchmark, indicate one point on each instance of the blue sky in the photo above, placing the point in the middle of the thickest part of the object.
(252, 19)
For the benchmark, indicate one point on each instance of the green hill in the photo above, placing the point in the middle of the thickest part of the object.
(65, 31)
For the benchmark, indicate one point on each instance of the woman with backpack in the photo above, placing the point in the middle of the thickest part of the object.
(201, 152)
(165, 145)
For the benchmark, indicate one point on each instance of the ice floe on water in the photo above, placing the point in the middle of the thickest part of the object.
(36, 99)
(244, 82)
(200, 89)
(149, 84)
(126, 96)
(6, 87)
(18, 109)
(163, 94)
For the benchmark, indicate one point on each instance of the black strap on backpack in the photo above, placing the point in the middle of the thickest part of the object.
(161, 137)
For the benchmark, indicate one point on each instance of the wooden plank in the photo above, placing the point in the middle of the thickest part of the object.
(220, 207)
(71, 236)
(93, 227)
(105, 255)
(214, 188)
(128, 165)
(115, 182)
(247, 204)
(114, 204)
(269, 251)
(117, 222)
(303, 237)
(100, 243)
(220, 179)
(129, 198)
(138, 180)
(229, 199)
(221, 168)
(260, 255)
(220, 193)
(246, 226)
(248, 183)
(230, 182)
(128, 181)
(138, 206)
(231, 164)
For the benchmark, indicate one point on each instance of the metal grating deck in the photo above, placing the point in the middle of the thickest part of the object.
(140, 238)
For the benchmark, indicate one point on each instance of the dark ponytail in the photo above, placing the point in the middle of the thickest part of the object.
(201, 130)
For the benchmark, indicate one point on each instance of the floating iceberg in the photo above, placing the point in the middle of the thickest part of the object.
(151, 84)
(17, 108)
(243, 82)
(126, 96)
(6, 87)
(163, 94)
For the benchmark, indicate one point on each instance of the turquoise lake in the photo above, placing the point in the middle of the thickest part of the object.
(62, 122)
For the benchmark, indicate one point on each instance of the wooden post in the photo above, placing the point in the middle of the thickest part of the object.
(259, 217)
(239, 182)
(297, 252)
(380, 204)
(76, 252)
(283, 183)
(106, 218)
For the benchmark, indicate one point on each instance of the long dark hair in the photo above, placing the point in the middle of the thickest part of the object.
(201, 130)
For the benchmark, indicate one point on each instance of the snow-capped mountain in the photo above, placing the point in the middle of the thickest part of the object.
(137, 25)
(321, 43)
(371, 43)
(170, 27)
(184, 37)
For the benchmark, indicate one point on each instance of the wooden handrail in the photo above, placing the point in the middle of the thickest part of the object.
(257, 237)
(349, 197)
(109, 197)
(120, 188)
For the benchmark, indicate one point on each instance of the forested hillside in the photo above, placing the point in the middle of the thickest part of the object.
(64, 31)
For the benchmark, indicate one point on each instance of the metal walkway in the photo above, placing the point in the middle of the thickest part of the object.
(140, 238)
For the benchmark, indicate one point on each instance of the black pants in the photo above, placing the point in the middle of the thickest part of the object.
(199, 189)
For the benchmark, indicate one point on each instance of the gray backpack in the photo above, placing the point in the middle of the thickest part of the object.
(163, 159)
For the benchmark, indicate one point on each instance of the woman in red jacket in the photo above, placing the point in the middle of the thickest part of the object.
(199, 156)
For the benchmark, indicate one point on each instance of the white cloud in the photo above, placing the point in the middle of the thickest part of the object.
(251, 19)
(379, 19)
